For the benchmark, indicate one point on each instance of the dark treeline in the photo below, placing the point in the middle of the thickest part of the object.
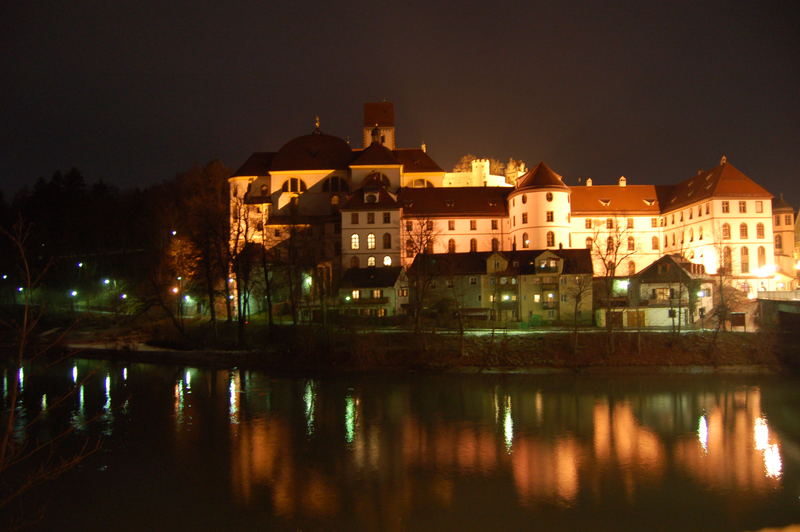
(122, 250)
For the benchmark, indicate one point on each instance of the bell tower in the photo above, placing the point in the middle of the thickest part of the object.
(379, 124)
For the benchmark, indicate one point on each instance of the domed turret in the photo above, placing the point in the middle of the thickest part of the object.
(539, 208)
(316, 151)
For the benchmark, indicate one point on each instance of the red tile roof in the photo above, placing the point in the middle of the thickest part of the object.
(540, 176)
(614, 199)
(375, 154)
(379, 113)
(313, 152)
(257, 164)
(724, 181)
(416, 160)
(454, 201)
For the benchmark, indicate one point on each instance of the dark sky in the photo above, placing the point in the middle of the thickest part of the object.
(133, 92)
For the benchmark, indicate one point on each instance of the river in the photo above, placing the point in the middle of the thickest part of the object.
(206, 449)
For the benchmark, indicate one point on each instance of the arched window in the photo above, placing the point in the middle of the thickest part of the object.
(745, 260)
(451, 246)
(495, 244)
(631, 268)
(525, 240)
(387, 241)
(760, 231)
(371, 261)
(354, 262)
(409, 248)
(354, 243)
(631, 243)
(335, 184)
(371, 241)
(743, 231)
(589, 242)
(727, 261)
(294, 184)
(387, 260)
(778, 242)
(655, 242)
(726, 231)
(762, 257)
(473, 245)
(551, 239)
(610, 244)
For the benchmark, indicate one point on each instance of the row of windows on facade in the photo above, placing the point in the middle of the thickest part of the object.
(549, 217)
(355, 241)
(295, 184)
(524, 198)
(355, 262)
(744, 258)
(787, 219)
(355, 218)
(451, 225)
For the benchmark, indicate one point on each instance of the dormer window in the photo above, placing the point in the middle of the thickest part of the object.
(449, 203)
(371, 198)
(649, 201)
(294, 184)
(605, 202)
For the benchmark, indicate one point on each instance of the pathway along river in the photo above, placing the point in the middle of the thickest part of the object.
(203, 449)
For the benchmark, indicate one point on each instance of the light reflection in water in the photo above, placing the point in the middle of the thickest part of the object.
(702, 433)
(773, 465)
(21, 379)
(508, 424)
(188, 378)
(179, 402)
(124, 374)
(74, 374)
(349, 417)
(233, 396)
(310, 397)
(44, 402)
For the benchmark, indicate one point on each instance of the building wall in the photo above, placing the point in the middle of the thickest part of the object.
(528, 210)
(363, 229)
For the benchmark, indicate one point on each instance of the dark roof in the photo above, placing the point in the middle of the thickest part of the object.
(576, 261)
(451, 263)
(370, 277)
(316, 151)
(416, 160)
(679, 270)
(780, 204)
(378, 113)
(614, 199)
(357, 203)
(724, 180)
(376, 154)
(257, 164)
(302, 219)
(454, 201)
(540, 176)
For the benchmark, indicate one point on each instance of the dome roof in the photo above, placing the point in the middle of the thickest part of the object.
(540, 176)
(316, 151)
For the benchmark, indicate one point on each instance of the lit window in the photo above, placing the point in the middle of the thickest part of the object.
(371, 261)
(387, 260)
(525, 241)
(371, 241)
(355, 294)
(354, 243)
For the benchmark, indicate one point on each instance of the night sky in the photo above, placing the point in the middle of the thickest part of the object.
(134, 92)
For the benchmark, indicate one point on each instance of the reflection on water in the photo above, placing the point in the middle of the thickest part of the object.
(386, 453)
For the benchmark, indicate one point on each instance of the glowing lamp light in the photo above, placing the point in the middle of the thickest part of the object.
(80, 265)
(230, 279)
(506, 297)
(174, 289)
(187, 299)
(73, 293)
(5, 276)
(701, 293)
(173, 232)
(20, 289)
(180, 278)
(347, 298)
(123, 296)
(624, 284)
(230, 297)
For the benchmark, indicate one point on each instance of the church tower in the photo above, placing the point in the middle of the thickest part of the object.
(379, 124)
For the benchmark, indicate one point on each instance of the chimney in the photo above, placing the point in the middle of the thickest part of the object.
(622, 181)
(424, 147)
(723, 160)
(588, 181)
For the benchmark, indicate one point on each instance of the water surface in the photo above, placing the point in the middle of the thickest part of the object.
(200, 449)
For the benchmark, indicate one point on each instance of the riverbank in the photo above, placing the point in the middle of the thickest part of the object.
(308, 349)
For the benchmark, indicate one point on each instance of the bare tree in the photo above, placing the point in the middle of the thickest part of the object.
(577, 293)
(612, 244)
(26, 463)
(420, 237)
